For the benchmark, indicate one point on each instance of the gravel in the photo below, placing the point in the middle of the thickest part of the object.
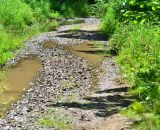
(58, 69)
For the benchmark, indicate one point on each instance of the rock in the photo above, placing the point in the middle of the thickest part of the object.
(57, 65)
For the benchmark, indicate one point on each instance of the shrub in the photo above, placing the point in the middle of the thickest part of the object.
(139, 56)
(41, 8)
(136, 40)
(109, 21)
(98, 9)
(8, 43)
(15, 13)
(70, 8)
(139, 11)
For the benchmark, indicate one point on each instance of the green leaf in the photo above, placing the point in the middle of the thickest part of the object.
(142, 21)
(153, 8)
(132, 2)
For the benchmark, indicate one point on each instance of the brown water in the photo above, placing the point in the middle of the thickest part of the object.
(87, 51)
(18, 79)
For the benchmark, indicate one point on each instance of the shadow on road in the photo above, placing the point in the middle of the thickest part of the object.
(106, 103)
(82, 34)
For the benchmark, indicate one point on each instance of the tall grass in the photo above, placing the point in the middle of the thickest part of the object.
(139, 56)
(98, 8)
(19, 19)
(41, 9)
(109, 21)
(137, 47)
(71, 8)
(8, 43)
(15, 13)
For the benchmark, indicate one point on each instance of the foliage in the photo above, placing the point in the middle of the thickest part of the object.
(41, 9)
(19, 19)
(139, 11)
(54, 123)
(139, 56)
(109, 21)
(15, 13)
(7, 42)
(98, 9)
(136, 40)
(70, 8)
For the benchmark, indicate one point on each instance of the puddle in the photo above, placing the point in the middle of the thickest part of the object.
(18, 79)
(87, 51)
(50, 45)
(93, 56)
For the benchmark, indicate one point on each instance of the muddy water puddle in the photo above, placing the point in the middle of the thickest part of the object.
(87, 51)
(17, 81)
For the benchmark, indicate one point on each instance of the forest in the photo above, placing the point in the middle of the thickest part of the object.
(131, 27)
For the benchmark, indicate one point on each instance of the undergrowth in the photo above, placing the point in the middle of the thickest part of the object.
(19, 18)
(135, 39)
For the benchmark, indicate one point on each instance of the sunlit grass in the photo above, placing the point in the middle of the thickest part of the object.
(55, 123)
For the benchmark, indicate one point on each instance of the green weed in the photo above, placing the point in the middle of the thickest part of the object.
(8, 42)
(98, 9)
(66, 84)
(41, 9)
(74, 29)
(137, 47)
(138, 55)
(54, 123)
(56, 119)
(139, 11)
(15, 13)
(109, 21)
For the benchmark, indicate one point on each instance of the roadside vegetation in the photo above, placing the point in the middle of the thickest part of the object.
(133, 30)
(20, 19)
(132, 27)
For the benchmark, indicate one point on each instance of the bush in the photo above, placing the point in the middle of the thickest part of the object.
(70, 8)
(139, 56)
(130, 24)
(109, 21)
(41, 8)
(15, 13)
(8, 43)
(139, 11)
(98, 9)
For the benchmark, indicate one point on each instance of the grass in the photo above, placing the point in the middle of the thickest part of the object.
(54, 123)
(74, 29)
(50, 26)
(137, 48)
(56, 118)
(8, 42)
(138, 55)
(109, 21)
(15, 13)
